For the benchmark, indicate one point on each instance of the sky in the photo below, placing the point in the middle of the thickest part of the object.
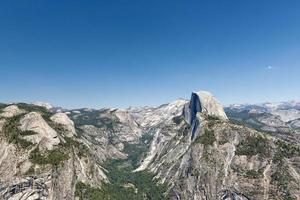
(120, 53)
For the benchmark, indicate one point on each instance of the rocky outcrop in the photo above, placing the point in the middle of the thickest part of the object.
(287, 115)
(63, 119)
(194, 150)
(215, 165)
(2, 122)
(148, 117)
(277, 119)
(202, 102)
(218, 162)
(206, 103)
(11, 111)
(99, 142)
(45, 136)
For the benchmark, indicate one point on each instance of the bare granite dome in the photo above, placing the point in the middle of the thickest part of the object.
(63, 119)
(46, 136)
(11, 111)
(202, 102)
(209, 104)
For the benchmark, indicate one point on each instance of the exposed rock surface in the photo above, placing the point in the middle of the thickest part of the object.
(52, 173)
(62, 118)
(11, 111)
(278, 119)
(206, 103)
(202, 102)
(287, 115)
(194, 150)
(222, 162)
(46, 136)
(149, 117)
(2, 122)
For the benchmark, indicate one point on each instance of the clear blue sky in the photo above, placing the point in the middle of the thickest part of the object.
(119, 53)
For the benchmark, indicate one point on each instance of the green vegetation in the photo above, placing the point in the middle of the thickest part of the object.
(223, 141)
(124, 184)
(178, 119)
(254, 174)
(11, 127)
(142, 185)
(208, 138)
(246, 118)
(13, 134)
(81, 149)
(24, 133)
(46, 114)
(53, 157)
(136, 151)
(253, 145)
(212, 120)
(59, 154)
(2, 106)
(285, 150)
(101, 119)
(59, 128)
(281, 178)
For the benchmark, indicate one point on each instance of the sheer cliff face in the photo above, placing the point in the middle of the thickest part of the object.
(200, 154)
(202, 102)
(195, 150)
(224, 161)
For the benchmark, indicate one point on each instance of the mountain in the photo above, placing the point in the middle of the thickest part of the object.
(186, 149)
(279, 119)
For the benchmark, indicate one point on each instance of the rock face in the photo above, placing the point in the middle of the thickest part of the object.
(49, 166)
(11, 111)
(206, 103)
(202, 102)
(222, 161)
(46, 136)
(119, 125)
(148, 117)
(278, 119)
(63, 119)
(287, 115)
(2, 122)
(189, 146)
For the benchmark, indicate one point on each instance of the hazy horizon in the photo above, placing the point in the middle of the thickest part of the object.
(146, 53)
(141, 105)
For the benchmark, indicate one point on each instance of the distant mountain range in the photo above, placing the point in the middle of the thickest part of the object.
(184, 150)
(282, 119)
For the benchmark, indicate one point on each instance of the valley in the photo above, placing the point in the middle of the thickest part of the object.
(183, 150)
